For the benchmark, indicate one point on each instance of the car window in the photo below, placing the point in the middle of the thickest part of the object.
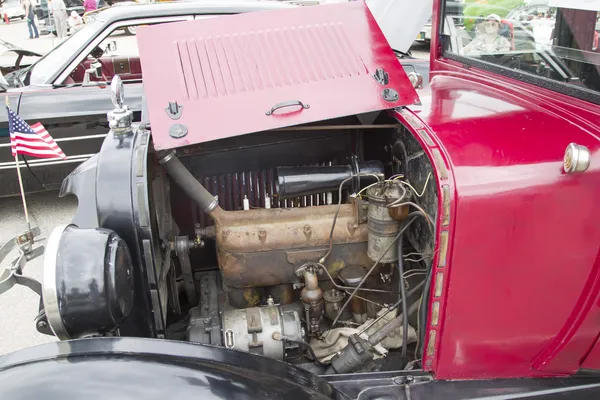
(555, 40)
(47, 66)
(116, 54)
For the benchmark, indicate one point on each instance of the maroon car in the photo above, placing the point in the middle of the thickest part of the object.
(298, 222)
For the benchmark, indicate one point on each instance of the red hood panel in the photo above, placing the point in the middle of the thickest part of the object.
(228, 73)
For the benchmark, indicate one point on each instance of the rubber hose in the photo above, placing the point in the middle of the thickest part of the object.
(403, 295)
(187, 182)
(310, 350)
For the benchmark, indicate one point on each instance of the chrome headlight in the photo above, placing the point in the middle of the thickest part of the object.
(88, 281)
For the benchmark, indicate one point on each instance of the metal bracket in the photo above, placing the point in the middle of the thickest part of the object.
(174, 110)
(182, 247)
(381, 76)
(13, 275)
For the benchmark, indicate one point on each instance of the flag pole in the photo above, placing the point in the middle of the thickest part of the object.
(20, 179)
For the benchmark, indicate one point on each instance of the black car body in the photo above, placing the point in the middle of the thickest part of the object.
(75, 114)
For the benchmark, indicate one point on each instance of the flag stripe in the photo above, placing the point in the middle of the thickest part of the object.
(33, 146)
(39, 155)
(32, 140)
(44, 151)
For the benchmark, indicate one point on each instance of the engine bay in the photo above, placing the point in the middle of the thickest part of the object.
(307, 244)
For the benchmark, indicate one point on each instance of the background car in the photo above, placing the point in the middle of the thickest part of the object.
(67, 91)
(12, 9)
(13, 58)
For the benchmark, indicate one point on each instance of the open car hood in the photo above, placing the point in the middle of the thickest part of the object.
(6, 47)
(401, 20)
(214, 78)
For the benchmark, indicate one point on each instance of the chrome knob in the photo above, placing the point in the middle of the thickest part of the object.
(577, 159)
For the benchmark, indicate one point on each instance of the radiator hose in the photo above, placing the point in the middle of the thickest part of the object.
(186, 181)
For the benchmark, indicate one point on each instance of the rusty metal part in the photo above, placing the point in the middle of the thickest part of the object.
(284, 228)
(352, 276)
(383, 227)
(333, 303)
(245, 297)
(341, 287)
(282, 294)
(263, 247)
(359, 310)
(183, 245)
(311, 293)
(270, 268)
(312, 298)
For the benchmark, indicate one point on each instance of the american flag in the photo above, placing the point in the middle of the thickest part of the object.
(31, 140)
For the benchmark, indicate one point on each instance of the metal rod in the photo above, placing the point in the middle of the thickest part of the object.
(22, 191)
(363, 280)
(338, 127)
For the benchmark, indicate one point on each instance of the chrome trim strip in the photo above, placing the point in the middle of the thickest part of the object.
(69, 139)
(49, 289)
(45, 162)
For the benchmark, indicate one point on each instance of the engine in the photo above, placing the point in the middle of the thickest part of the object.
(311, 244)
(307, 250)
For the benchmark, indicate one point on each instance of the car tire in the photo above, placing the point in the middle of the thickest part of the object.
(23, 17)
(55, 33)
(130, 30)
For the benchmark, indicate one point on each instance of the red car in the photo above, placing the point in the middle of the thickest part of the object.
(299, 222)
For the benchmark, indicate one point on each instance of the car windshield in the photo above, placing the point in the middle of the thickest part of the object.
(42, 71)
(555, 40)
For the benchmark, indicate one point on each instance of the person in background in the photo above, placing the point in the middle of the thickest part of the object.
(33, 31)
(89, 5)
(490, 41)
(75, 21)
(59, 12)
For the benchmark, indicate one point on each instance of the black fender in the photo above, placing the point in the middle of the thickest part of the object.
(135, 368)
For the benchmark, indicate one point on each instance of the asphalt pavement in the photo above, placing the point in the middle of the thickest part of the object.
(19, 306)
(16, 33)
